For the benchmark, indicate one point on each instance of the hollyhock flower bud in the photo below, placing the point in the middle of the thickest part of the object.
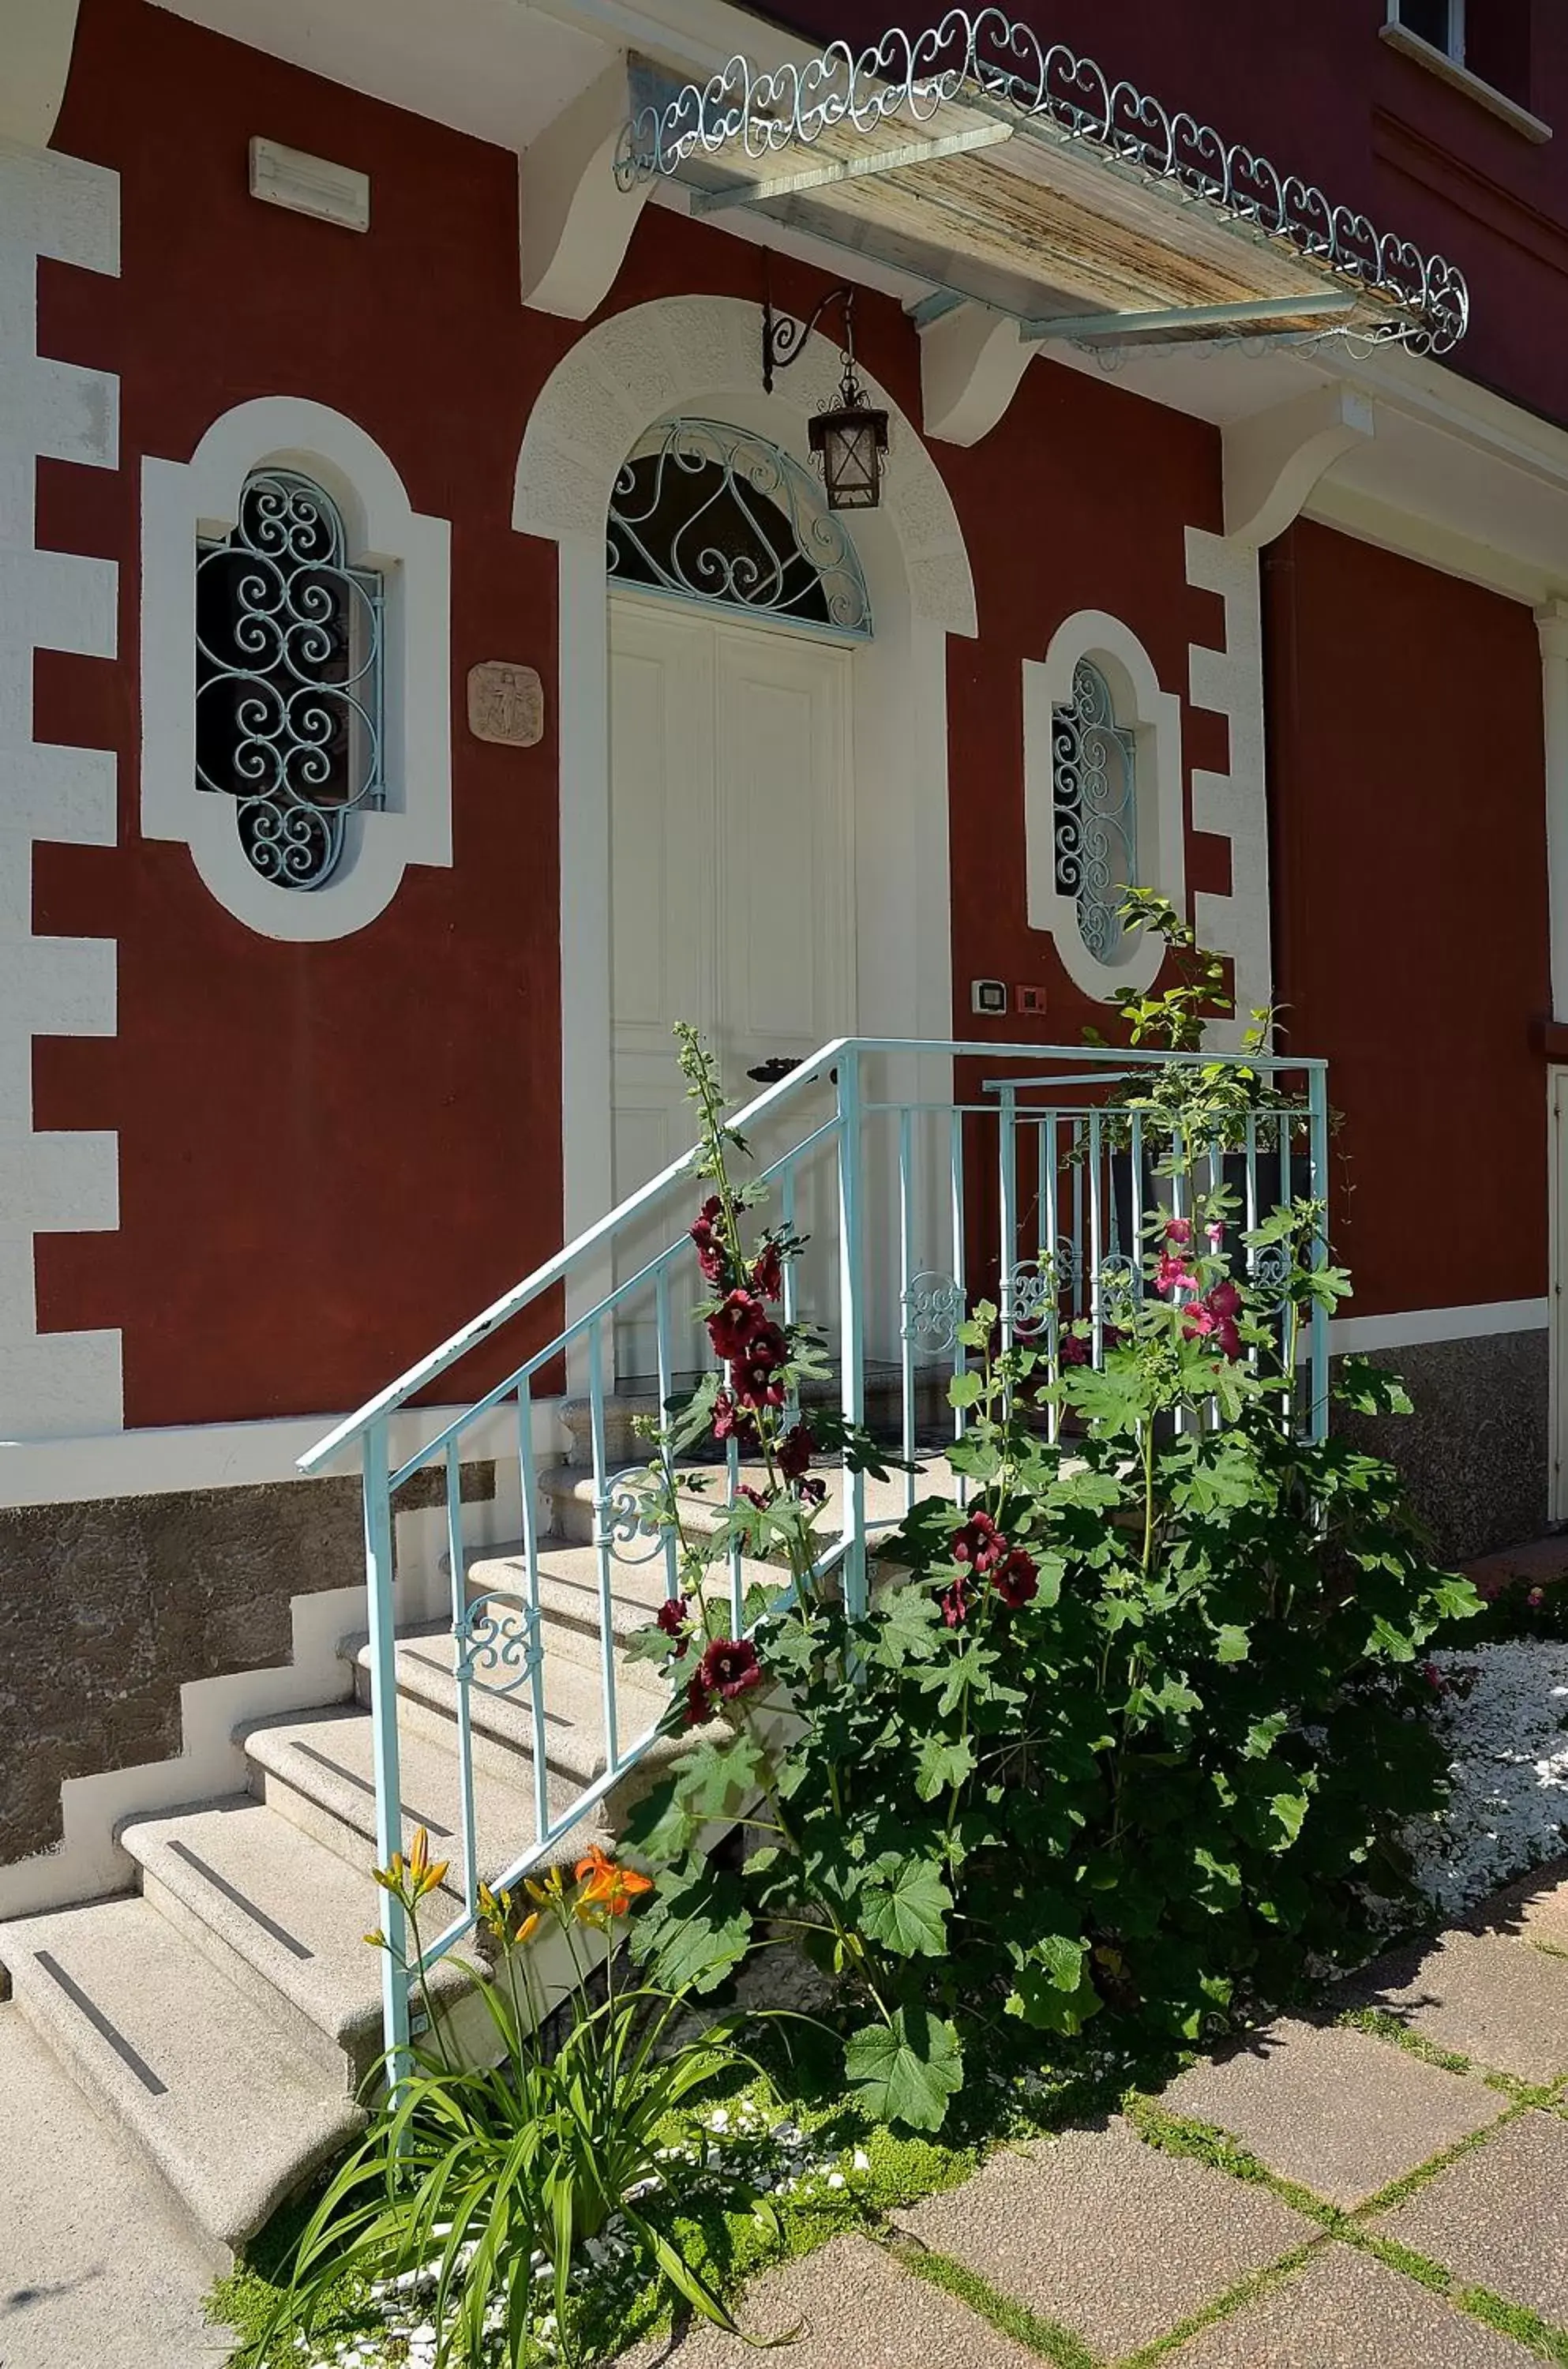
(674, 1617)
(954, 1602)
(1179, 1230)
(767, 1271)
(1216, 1233)
(711, 1254)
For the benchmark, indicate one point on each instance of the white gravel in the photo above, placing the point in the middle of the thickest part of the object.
(1502, 1711)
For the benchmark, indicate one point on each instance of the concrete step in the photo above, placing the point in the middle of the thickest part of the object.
(99, 2266)
(571, 1495)
(281, 1916)
(232, 2113)
(570, 1595)
(318, 1770)
(503, 1723)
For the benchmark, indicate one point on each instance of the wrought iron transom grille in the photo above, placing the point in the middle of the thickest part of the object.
(1094, 778)
(709, 512)
(289, 720)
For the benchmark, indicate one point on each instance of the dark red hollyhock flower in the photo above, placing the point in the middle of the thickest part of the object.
(730, 1668)
(712, 1256)
(673, 1617)
(754, 1372)
(698, 1707)
(1017, 1580)
(1075, 1349)
(736, 1324)
(980, 1544)
(955, 1601)
(731, 1422)
(760, 1498)
(811, 1491)
(794, 1452)
(767, 1272)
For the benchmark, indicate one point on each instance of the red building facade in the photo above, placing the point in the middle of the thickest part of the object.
(262, 1160)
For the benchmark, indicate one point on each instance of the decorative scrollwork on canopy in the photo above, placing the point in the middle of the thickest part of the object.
(1094, 776)
(289, 678)
(486, 1640)
(989, 58)
(708, 512)
(934, 1309)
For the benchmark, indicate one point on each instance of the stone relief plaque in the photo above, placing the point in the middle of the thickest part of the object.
(505, 703)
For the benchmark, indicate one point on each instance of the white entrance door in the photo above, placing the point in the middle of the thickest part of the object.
(732, 878)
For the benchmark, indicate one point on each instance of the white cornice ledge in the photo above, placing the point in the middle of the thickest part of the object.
(1422, 54)
(34, 60)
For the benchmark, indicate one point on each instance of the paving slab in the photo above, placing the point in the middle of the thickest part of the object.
(856, 2308)
(95, 2266)
(1342, 2311)
(1337, 2111)
(1107, 2236)
(1498, 2218)
(1534, 1909)
(1479, 1993)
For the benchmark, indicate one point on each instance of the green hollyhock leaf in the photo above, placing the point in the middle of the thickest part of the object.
(1392, 1644)
(941, 1764)
(1264, 1735)
(906, 2072)
(1290, 1811)
(1230, 1644)
(906, 1908)
(695, 1934)
(716, 1777)
(660, 1827)
(908, 1629)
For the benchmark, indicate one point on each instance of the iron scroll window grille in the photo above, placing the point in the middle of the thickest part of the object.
(289, 678)
(1094, 778)
(704, 511)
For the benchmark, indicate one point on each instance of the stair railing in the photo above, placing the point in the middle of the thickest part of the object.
(1032, 1176)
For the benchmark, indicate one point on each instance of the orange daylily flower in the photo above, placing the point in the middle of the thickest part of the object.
(607, 1885)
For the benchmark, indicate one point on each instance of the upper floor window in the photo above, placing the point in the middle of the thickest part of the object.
(289, 696)
(1441, 22)
(1488, 41)
(1094, 776)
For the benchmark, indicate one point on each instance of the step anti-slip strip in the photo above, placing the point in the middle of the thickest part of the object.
(101, 2024)
(441, 1834)
(232, 1892)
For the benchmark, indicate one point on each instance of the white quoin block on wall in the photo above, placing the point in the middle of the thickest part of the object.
(50, 206)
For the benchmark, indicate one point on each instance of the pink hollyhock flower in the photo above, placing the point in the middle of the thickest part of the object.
(732, 1422)
(1536, 1599)
(711, 1253)
(767, 1272)
(1172, 1273)
(760, 1498)
(1018, 1580)
(736, 1324)
(1216, 1232)
(1179, 1230)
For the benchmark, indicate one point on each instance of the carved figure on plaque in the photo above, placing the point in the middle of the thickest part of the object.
(505, 703)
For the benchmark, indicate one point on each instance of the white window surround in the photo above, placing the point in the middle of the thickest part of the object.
(1154, 715)
(1449, 66)
(183, 502)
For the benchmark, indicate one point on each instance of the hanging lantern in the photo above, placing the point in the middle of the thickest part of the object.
(849, 438)
(848, 443)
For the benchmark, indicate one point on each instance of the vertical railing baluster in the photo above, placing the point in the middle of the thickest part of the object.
(731, 1493)
(791, 1275)
(1051, 1203)
(535, 1625)
(1284, 1129)
(1318, 1159)
(603, 1539)
(1007, 1195)
(906, 1276)
(851, 1326)
(666, 1392)
(1136, 1156)
(463, 1674)
(1096, 1246)
(1080, 1274)
(381, 1613)
(960, 1356)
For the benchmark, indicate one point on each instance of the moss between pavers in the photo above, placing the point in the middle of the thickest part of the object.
(1045, 2337)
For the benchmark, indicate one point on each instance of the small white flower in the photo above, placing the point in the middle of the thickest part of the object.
(862, 2160)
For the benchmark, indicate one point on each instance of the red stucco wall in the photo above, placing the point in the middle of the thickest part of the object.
(1411, 940)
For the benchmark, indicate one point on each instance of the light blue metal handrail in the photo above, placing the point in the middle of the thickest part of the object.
(1078, 1190)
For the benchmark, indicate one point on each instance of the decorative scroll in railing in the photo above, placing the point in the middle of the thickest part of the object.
(1033, 1187)
(988, 60)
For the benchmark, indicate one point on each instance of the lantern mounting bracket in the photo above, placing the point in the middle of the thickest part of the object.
(848, 437)
(783, 337)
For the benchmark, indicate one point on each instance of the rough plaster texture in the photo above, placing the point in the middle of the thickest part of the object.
(107, 1608)
(1475, 1455)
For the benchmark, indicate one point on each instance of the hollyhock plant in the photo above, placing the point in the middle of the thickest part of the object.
(712, 1256)
(740, 1320)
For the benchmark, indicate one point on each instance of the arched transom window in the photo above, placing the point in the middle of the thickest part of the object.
(289, 718)
(708, 512)
(1095, 777)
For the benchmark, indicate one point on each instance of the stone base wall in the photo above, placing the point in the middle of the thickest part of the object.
(1476, 1455)
(107, 1608)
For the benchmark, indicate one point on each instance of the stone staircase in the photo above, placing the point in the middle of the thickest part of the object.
(226, 2013)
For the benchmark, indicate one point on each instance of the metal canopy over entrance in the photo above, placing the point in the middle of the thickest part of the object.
(1018, 175)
